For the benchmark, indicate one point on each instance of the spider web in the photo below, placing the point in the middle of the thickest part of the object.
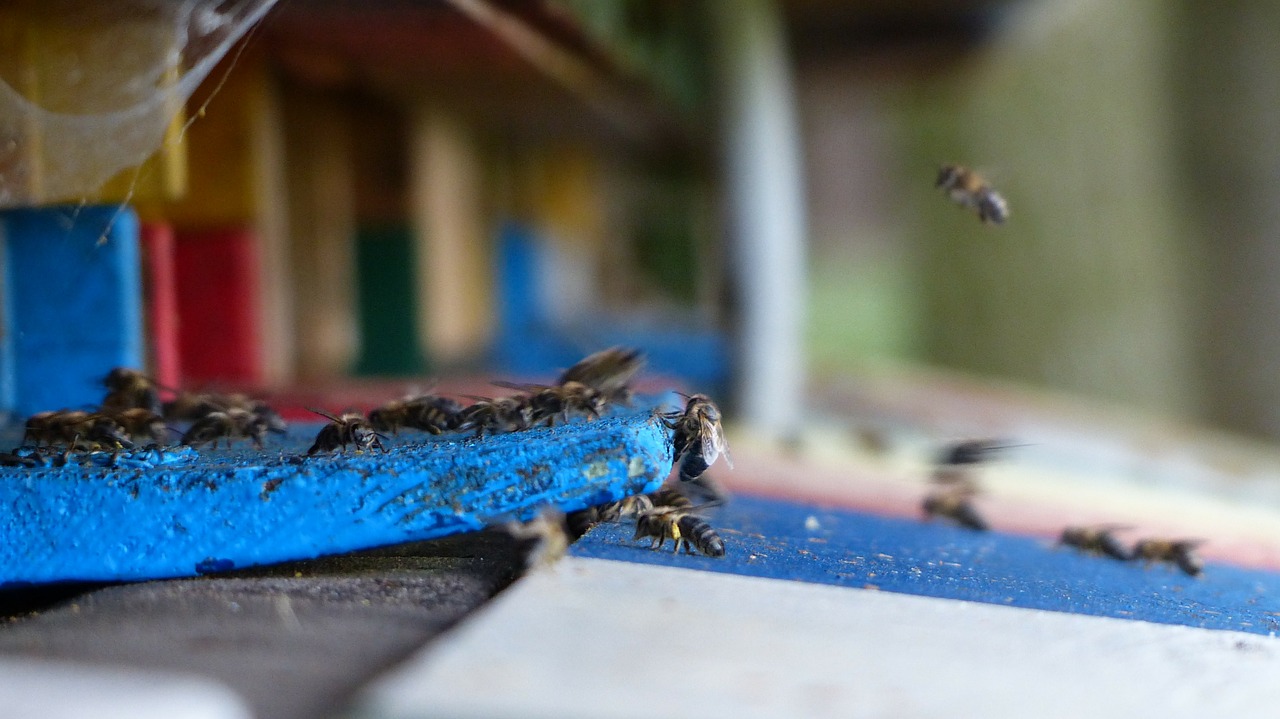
(88, 89)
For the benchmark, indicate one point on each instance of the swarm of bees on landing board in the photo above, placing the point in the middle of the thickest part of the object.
(954, 485)
(131, 416)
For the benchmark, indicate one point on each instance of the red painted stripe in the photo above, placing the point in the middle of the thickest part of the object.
(161, 291)
(219, 337)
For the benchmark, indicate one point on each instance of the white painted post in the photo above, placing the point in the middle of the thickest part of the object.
(766, 212)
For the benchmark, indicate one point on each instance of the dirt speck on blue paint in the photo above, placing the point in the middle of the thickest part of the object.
(212, 565)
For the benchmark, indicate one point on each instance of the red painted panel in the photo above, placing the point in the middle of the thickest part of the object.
(217, 282)
(161, 294)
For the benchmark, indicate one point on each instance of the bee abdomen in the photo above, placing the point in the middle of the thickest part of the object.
(693, 464)
(697, 533)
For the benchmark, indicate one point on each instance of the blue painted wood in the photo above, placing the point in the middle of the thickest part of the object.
(72, 303)
(180, 513)
(768, 538)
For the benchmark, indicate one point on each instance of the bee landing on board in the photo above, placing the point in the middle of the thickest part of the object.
(681, 525)
(544, 404)
(496, 416)
(78, 430)
(141, 423)
(428, 413)
(955, 504)
(967, 189)
(230, 424)
(1180, 552)
(1098, 539)
(608, 372)
(698, 436)
(349, 429)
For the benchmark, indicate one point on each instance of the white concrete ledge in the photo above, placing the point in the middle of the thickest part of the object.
(597, 638)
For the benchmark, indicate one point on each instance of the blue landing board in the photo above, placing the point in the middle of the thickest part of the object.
(769, 538)
(180, 512)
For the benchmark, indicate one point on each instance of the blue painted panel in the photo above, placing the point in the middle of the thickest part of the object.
(528, 344)
(72, 304)
(182, 513)
(767, 538)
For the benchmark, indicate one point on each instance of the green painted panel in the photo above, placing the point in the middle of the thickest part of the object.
(387, 301)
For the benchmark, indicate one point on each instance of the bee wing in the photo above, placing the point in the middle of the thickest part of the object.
(323, 413)
(714, 444)
(521, 386)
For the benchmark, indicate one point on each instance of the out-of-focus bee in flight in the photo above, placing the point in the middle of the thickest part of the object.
(547, 530)
(350, 429)
(1097, 539)
(967, 189)
(681, 525)
(1180, 552)
(698, 436)
(609, 372)
(429, 413)
(958, 462)
(955, 504)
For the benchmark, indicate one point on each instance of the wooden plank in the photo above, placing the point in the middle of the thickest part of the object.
(179, 512)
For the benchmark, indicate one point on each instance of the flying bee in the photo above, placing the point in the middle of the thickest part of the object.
(1098, 539)
(350, 429)
(141, 423)
(546, 403)
(957, 462)
(129, 389)
(230, 424)
(547, 530)
(955, 504)
(608, 371)
(429, 413)
(1180, 552)
(967, 189)
(495, 416)
(679, 524)
(698, 437)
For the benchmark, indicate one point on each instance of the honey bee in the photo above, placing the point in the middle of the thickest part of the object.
(429, 413)
(190, 406)
(1097, 539)
(547, 530)
(349, 429)
(141, 423)
(956, 463)
(1180, 552)
(967, 189)
(679, 524)
(129, 389)
(955, 504)
(546, 403)
(230, 424)
(495, 416)
(89, 430)
(608, 372)
(698, 436)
